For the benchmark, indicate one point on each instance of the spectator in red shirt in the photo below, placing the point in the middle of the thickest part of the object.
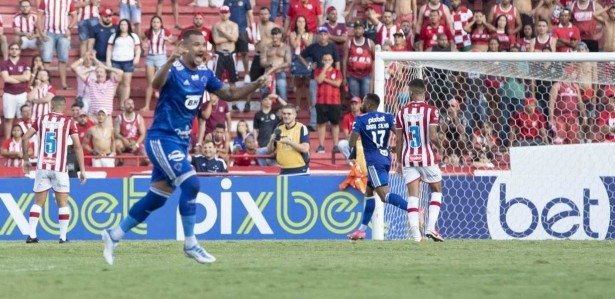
(328, 101)
(16, 75)
(429, 34)
(568, 35)
(606, 119)
(528, 126)
(216, 111)
(247, 154)
(399, 42)
(347, 121)
(12, 148)
(310, 9)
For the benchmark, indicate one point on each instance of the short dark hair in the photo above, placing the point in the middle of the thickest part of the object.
(417, 84)
(23, 106)
(289, 106)
(209, 141)
(58, 99)
(75, 105)
(276, 30)
(221, 126)
(190, 32)
(372, 97)
(266, 8)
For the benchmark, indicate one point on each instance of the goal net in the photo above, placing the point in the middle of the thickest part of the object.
(498, 108)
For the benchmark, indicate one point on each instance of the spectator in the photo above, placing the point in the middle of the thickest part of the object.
(24, 26)
(26, 123)
(342, 7)
(175, 9)
(314, 53)
(567, 34)
(500, 32)
(608, 29)
(484, 141)
(309, 9)
(215, 112)
(241, 14)
(543, 39)
(429, 33)
(442, 44)
(260, 36)
(452, 160)
(565, 108)
(88, 18)
(129, 131)
(483, 160)
(131, 10)
(528, 126)
(244, 157)
(265, 122)
(275, 5)
(101, 90)
(513, 18)
(299, 39)
(16, 75)
(291, 144)
(220, 138)
(400, 44)
(157, 38)
(584, 14)
(406, 28)
(225, 34)
(84, 64)
(197, 24)
(205, 159)
(606, 118)
(242, 130)
(547, 10)
(424, 15)
(453, 125)
(12, 148)
(479, 32)
(512, 93)
(587, 75)
(84, 123)
(125, 49)
(524, 9)
(35, 66)
(405, 11)
(277, 56)
(99, 141)
(3, 43)
(461, 16)
(328, 102)
(384, 29)
(52, 20)
(371, 30)
(41, 94)
(338, 33)
(347, 121)
(102, 32)
(527, 36)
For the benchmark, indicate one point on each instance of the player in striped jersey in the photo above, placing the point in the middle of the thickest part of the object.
(54, 130)
(374, 128)
(416, 130)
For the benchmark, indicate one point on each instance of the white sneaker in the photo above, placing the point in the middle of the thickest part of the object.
(415, 234)
(199, 254)
(109, 246)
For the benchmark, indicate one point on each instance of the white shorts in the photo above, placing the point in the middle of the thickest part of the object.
(11, 104)
(50, 179)
(429, 174)
(27, 43)
(103, 162)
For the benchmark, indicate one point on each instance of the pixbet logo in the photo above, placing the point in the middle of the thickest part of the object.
(548, 207)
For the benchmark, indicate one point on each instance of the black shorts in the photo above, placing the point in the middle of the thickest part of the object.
(225, 67)
(328, 113)
(256, 70)
(241, 45)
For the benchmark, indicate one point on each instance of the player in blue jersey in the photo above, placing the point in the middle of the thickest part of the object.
(374, 128)
(182, 81)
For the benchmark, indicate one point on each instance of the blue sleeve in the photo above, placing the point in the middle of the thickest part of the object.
(213, 83)
(305, 138)
(307, 52)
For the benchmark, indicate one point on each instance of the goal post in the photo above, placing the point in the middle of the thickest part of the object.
(485, 92)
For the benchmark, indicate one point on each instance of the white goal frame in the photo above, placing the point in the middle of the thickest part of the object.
(379, 81)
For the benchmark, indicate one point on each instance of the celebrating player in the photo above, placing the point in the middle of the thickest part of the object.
(374, 128)
(53, 129)
(182, 80)
(416, 129)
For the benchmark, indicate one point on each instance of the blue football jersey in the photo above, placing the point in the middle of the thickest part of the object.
(180, 100)
(375, 128)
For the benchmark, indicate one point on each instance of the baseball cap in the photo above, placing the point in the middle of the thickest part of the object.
(330, 9)
(358, 23)
(529, 101)
(106, 12)
(356, 99)
(322, 29)
(225, 9)
(609, 91)
(104, 110)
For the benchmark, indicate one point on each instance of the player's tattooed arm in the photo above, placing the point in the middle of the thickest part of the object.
(234, 93)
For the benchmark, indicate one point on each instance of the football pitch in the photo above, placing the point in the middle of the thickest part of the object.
(312, 269)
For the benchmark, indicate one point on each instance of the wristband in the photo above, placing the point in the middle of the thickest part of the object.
(353, 153)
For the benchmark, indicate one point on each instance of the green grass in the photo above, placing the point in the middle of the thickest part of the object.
(312, 269)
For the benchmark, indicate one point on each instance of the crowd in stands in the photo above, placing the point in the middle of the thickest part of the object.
(322, 56)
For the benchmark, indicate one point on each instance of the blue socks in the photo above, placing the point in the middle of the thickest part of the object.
(370, 206)
(187, 206)
(397, 201)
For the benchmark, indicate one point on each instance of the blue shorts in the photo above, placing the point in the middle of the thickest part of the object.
(126, 66)
(58, 42)
(378, 175)
(86, 28)
(155, 60)
(170, 161)
(130, 12)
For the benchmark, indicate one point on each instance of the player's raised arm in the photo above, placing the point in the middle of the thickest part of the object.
(160, 78)
(234, 93)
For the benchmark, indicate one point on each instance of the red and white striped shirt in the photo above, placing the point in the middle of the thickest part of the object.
(101, 94)
(40, 109)
(56, 14)
(87, 12)
(129, 128)
(461, 18)
(414, 120)
(53, 129)
(25, 23)
(157, 41)
(12, 145)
